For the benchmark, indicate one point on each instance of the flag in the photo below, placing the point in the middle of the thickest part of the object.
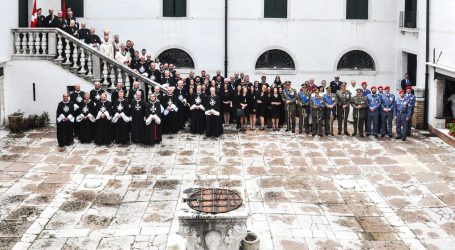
(64, 8)
(34, 20)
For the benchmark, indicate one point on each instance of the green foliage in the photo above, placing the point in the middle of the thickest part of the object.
(31, 122)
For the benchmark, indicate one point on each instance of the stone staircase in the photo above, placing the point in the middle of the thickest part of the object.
(74, 56)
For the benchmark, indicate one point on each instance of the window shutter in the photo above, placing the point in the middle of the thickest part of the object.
(180, 8)
(362, 9)
(168, 8)
(275, 8)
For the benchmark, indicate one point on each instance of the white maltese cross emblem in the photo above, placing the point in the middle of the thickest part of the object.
(120, 107)
(66, 109)
(212, 102)
(85, 109)
(198, 100)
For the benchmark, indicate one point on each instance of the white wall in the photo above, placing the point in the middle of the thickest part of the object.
(9, 19)
(51, 82)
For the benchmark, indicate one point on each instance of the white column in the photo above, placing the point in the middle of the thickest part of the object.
(440, 87)
(59, 48)
(31, 44)
(127, 81)
(105, 72)
(38, 43)
(67, 53)
(24, 43)
(119, 75)
(82, 71)
(89, 65)
(44, 43)
(17, 42)
(75, 57)
(112, 76)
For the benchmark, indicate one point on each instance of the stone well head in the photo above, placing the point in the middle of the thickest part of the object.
(213, 219)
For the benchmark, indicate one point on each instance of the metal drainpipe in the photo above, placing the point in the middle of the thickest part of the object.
(225, 38)
(427, 58)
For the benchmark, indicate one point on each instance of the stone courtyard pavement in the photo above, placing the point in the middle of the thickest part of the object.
(301, 192)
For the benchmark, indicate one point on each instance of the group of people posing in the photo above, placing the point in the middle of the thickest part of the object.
(138, 117)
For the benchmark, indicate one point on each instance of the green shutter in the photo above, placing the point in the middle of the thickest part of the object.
(275, 8)
(362, 9)
(168, 8)
(180, 8)
(351, 9)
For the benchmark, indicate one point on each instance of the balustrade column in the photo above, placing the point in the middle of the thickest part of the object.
(82, 71)
(127, 81)
(75, 67)
(112, 76)
(17, 42)
(67, 53)
(89, 65)
(44, 43)
(31, 43)
(38, 43)
(59, 47)
(119, 75)
(24, 43)
(105, 73)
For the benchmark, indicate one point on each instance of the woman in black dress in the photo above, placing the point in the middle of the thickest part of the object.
(226, 103)
(261, 106)
(276, 103)
(236, 104)
(252, 107)
(243, 105)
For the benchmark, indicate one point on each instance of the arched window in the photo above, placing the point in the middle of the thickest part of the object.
(356, 60)
(275, 59)
(178, 57)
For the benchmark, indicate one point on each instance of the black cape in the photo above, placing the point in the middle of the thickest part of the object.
(65, 128)
(120, 121)
(214, 124)
(197, 110)
(153, 116)
(170, 122)
(137, 109)
(85, 118)
(181, 105)
(103, 127)
(95, 95)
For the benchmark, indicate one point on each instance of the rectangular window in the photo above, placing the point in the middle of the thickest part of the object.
(356, 9)
(174, 8)
(77, 6)
(275, 8)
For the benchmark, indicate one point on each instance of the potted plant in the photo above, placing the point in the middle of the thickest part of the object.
(451, 127)
(15, 121)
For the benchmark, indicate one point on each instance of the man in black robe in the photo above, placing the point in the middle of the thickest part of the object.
(167, 80)
(40, 19)
(95, 94)
(60, 22)
(85, 118)
(197, 110)
(153, 116)
(155, 74)
(49, 21)
(171, 120)
(121, 119)
(76, 97)
(212, 107)
(117, 90)
(132, 92)
(181, 95)
(137, 109)
(83, 32)
(65, 120)
(93, 39)
(158, 94)
(103, 126)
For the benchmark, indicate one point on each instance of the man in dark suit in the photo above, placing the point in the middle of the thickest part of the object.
(406, 82)
(335, 85)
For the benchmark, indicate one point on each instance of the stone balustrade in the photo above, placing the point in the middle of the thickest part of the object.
(73, 55)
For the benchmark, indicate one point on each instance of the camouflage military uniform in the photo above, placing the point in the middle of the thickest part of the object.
(343, 98)
(317, 107)
(359, 114)
(303, 108)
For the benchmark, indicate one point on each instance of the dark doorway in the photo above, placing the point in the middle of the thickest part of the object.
(412, 67)
(77, 6)
(23, 14)
(447, 100)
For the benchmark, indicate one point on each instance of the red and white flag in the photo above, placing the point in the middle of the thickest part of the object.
(64, 9)
(34, 20)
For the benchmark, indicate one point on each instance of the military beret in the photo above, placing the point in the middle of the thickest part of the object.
(287, 82)
(380, 87)
(373, 87)
(364, 83)
(401, 91)
(408, 87)
(387, 87)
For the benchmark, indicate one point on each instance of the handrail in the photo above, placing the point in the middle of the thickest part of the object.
(93, 52)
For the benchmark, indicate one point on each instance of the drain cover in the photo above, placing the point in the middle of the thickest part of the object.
(214, 200)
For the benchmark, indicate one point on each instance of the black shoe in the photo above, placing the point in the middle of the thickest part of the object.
(361, 135)
(376, 136)
(404, 139)
(321, 135)
(313, 135)
(339, 132)
(346, 133)
(368, 134)
(383, 135)
(354, 134)
(398, 137)
(293, 131)
(390, 136)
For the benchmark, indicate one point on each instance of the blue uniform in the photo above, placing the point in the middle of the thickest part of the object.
(374, 103)
(403, 112)
(387, 102)
(412, 103)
